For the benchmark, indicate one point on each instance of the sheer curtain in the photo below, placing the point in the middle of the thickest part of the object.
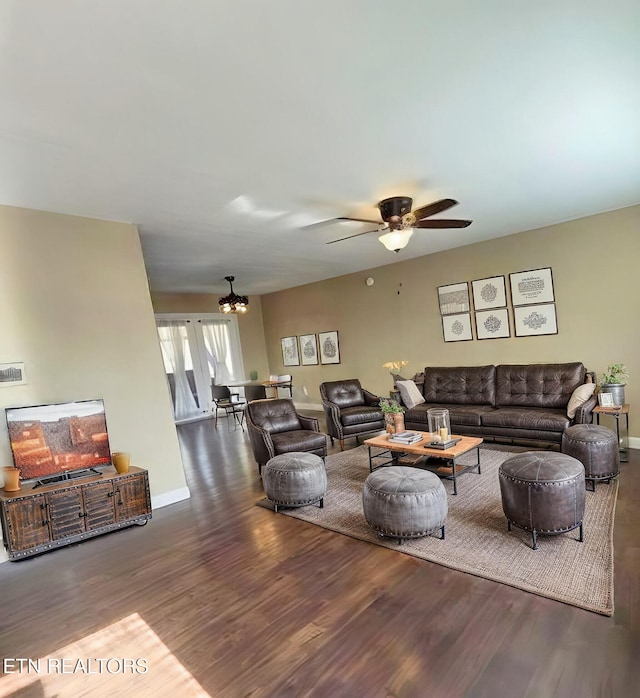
(174, 343)
(223, 360)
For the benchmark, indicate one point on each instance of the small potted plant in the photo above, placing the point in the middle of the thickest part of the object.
(613, 381)
(393, 413)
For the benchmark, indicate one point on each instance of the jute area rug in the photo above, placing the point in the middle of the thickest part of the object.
(477, 540)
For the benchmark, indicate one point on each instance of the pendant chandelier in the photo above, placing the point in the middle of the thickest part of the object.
(233, 303)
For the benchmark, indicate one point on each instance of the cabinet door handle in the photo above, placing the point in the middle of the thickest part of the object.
(82, 514)
(45, 522)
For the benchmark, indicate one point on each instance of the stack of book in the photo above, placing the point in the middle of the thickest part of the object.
(406, 437)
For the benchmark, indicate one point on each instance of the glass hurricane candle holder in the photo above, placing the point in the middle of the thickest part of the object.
(439, 425)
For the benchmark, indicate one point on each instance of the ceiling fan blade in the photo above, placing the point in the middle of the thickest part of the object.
(366, 232)
(442, 223)
(360, 220)
(330, 221)
(432, 209)
(318, 224)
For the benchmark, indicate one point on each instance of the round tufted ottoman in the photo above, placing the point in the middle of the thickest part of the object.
(295, 480)
(596, 448)
(543, 492)
(402, 502)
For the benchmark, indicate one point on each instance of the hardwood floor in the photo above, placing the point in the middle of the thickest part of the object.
(252, 603)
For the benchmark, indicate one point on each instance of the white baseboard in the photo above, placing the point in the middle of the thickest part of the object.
(162, 500)
(634, 442)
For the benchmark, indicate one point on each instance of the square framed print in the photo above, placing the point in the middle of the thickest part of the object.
(290, 355)
(529, 287)
(532, 320)
(308, 349)
(12, 374)
(329, 347)
(492, 324)
(489, 293)
(454, 299)
(605, 399)
(457, 328)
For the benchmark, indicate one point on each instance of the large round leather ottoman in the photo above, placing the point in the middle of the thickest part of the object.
(543, 493)
(402, 502)
(295, 480)
(596, 448)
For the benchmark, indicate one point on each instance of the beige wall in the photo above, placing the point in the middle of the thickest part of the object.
(77, 311)
(254, 350)
(597, 285)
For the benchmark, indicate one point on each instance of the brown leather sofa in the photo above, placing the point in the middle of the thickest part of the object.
(508, 403)
(275, 428)
(350, 409)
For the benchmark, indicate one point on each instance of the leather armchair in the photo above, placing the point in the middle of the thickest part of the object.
(275, 427)
(350, 409)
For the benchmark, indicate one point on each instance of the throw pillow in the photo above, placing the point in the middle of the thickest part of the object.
(580, 395)
(410, 394)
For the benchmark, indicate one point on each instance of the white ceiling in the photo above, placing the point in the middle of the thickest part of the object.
(221, 127)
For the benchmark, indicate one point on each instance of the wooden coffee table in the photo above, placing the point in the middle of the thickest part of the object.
(449, 472)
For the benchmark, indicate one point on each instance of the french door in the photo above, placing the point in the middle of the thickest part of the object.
(195, 350)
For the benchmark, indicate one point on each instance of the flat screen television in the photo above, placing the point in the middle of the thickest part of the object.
(55, 442)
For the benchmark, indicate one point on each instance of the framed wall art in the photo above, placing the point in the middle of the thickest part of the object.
(532, 320)
(489, 293)
(329, 347)
(454, 299)
(290, 356)
(492, 324)
(605, 399)
(457, 328)
(308, 349)
(528, 287)
(12, 374)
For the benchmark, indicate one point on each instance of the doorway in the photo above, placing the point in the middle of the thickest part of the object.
(196, 350)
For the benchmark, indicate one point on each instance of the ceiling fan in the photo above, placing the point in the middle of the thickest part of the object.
(400, 220)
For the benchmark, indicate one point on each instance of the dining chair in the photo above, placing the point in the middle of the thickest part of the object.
(286, 383)
(255, 392)
(223, 399)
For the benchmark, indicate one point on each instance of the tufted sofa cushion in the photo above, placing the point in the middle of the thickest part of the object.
(347, 393)
(538, 385)
(463, 385)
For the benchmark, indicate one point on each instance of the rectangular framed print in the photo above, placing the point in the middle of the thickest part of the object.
(492, 324)
(454, 299)
(457, 328)
(308, 349)
(329, 347)
(12, 374)
(535, 286)
(489, 293)
(532, 320)
(290, 356)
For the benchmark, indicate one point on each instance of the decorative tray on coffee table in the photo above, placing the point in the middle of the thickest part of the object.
(443, 445)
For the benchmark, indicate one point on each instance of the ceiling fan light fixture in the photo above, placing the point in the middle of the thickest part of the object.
(233, 303)
(396, 240)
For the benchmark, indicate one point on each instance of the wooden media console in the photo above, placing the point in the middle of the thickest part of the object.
(36, 519)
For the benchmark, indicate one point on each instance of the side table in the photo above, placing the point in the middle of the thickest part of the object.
(616, 412)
